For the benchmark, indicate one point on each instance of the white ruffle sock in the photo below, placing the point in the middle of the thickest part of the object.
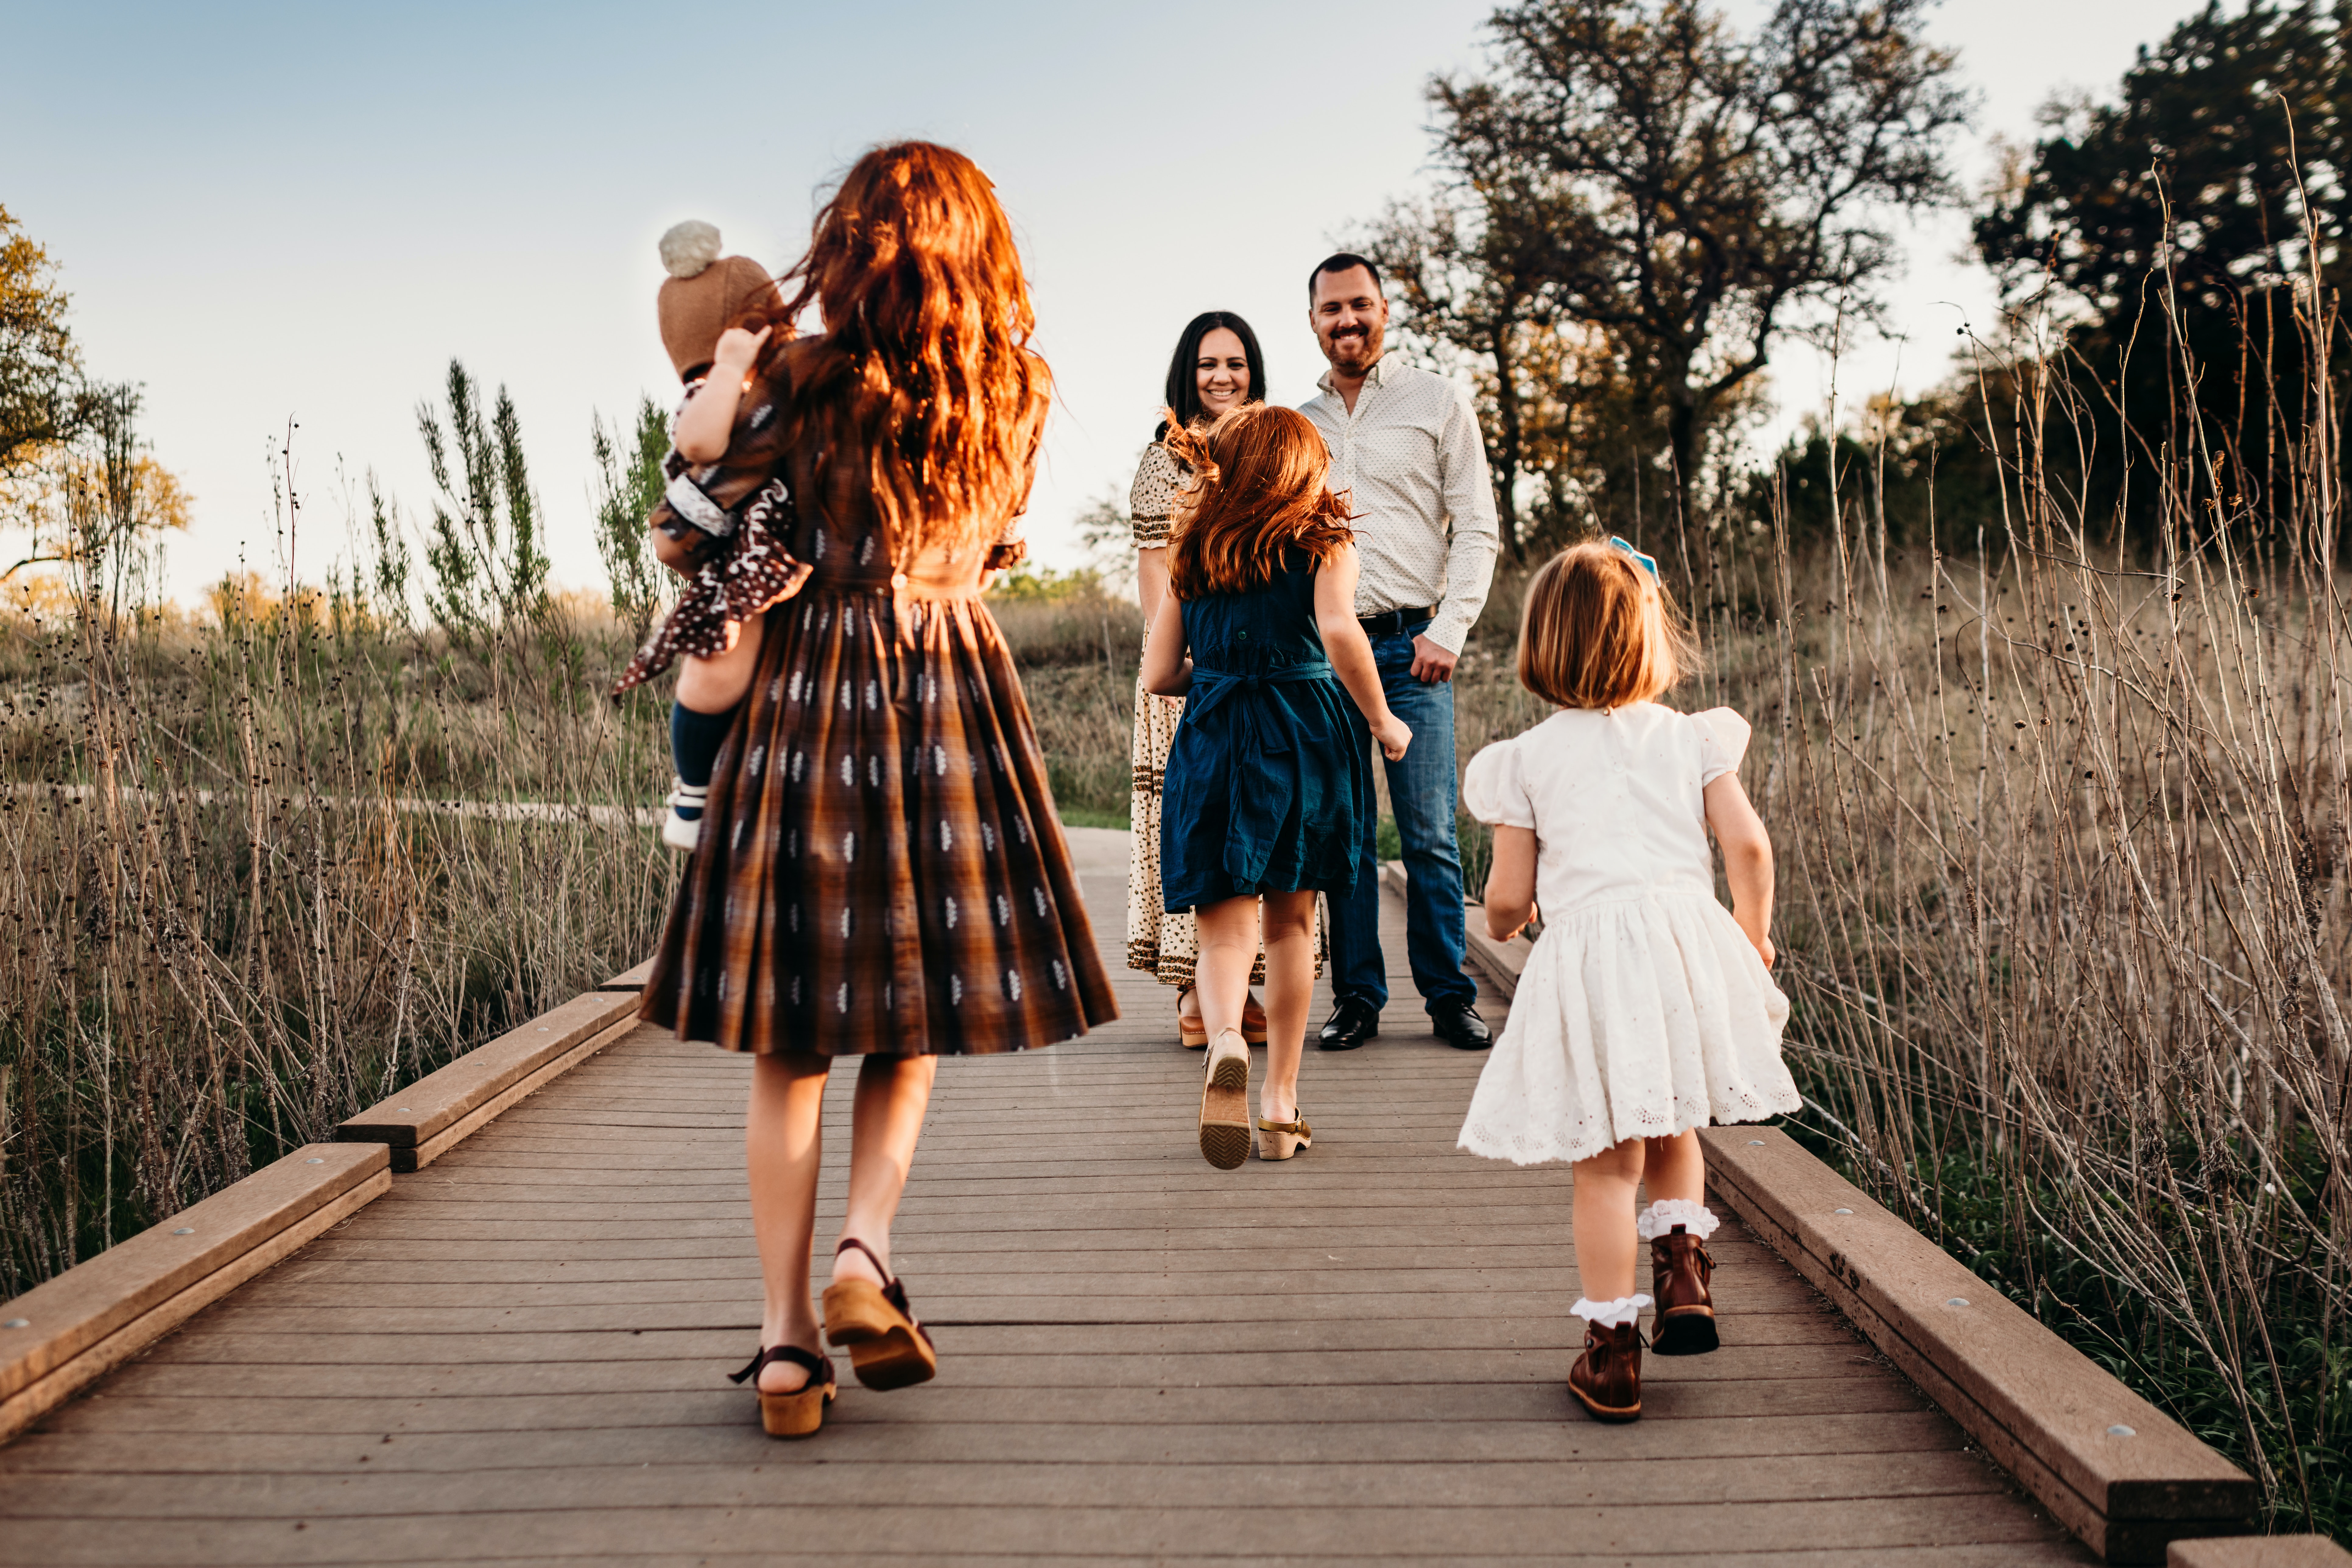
(1661, 1217)
(1611, 1314)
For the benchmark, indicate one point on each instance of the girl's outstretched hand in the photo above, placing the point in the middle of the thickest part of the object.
(737, 350)
(1393, 737)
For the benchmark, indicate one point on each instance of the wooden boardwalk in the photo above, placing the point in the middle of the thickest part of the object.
(516, 1356)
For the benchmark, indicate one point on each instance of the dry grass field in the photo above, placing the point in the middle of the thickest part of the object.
(2061, 827)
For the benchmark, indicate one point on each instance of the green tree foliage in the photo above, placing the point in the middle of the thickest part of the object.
(628, 486)
(482, 547)
(2186, 222)
(1644, 171)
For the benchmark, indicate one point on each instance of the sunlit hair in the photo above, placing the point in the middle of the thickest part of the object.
(1596, 630)
(1256, 492)
(925, 364)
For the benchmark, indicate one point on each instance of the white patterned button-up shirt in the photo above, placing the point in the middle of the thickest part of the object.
(1425, 530)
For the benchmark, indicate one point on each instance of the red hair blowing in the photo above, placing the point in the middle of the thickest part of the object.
(925, 364)
(1258, 491)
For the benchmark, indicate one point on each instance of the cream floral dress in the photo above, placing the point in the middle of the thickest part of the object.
(1162, 944)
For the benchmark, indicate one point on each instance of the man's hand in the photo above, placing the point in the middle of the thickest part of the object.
(1430, 663)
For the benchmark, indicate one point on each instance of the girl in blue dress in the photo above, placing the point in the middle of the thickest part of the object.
(1264, 797)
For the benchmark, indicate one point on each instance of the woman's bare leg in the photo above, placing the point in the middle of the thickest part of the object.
(1289, 925)
(782, 1145)
(1606, 1244)
(1228, 939)
(893, 1092)
(714, 685)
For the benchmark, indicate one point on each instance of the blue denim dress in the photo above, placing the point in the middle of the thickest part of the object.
(1267, 787)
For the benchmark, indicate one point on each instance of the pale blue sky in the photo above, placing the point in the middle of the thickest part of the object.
(305, 210)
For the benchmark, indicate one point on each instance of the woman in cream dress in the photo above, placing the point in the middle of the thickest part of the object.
(1217, 366)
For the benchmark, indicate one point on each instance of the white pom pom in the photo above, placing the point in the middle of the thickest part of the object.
(689, 246)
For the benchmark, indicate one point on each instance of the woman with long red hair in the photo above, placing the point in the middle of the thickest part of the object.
(880, 873)
(1262, 798)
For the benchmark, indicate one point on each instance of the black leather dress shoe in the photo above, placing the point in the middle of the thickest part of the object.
(1352, 1023)
(1459, 1026)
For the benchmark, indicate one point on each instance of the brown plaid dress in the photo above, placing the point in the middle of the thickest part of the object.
(880, 869)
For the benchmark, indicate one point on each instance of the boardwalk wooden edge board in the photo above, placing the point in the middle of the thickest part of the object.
(2259, 1551)
(423, 1116)
(629, 979)
(2048, 1413)
(2115, 1469)
(60, 1334)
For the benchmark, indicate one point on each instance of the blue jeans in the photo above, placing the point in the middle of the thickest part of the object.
(1422, 791)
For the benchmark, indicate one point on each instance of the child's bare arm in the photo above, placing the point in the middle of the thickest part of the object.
(1746, 859)
(709, 418)
(1166, 671)
(1511, 882)
(1350, 652)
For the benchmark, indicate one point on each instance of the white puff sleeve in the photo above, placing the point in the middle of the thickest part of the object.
(1722, 741)
(1494, 788)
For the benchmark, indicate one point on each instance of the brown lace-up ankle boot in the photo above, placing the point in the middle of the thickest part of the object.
(1607, 1378)
(1680, 1269)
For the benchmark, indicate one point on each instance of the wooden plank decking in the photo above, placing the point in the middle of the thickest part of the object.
(517, 1355)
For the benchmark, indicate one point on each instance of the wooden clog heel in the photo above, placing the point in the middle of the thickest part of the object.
(887, 1348)
(1281, 1140)
(1225, 1102)
(801, 1412)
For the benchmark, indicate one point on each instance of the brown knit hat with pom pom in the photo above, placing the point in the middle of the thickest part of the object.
(704, 295)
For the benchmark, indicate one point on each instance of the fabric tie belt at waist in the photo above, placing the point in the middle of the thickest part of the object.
(1247, 776)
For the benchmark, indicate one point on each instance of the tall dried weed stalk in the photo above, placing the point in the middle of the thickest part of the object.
(2062, 835)
(229, 916)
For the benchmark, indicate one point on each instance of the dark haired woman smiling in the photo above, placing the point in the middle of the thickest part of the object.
(1217, 367)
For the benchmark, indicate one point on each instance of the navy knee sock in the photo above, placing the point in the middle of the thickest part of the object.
(694, 742)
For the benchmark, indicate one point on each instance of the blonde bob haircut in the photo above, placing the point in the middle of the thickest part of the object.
(1596, 630)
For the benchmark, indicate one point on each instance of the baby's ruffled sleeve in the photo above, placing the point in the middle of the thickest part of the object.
(1494, 791)
(1722, 741)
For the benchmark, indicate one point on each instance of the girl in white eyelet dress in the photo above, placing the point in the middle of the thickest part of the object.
(1647, 1010)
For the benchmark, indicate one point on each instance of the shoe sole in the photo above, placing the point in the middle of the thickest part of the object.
(681, 835)
(1689, 1331)
(1224, 1113)
(1601, 1412)
(884, 1351)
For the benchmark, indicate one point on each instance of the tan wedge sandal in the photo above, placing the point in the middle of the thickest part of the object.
(1281, 1140)
(1224, 1102)
(801, 1412)
(887, 1348)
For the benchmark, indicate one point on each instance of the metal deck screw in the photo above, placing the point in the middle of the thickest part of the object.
(1841, 1211)
(1756, 1142)
(17, 1323)
(2120, 1430)
(1956, 1301)
(185, 1230)
(314, 1162)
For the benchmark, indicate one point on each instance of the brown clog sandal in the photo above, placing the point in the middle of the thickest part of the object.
(1225, 1102)
(1253, 1021)
(1192, 1029)
(801, 1412)
(887, 1348)
(1281, 1140)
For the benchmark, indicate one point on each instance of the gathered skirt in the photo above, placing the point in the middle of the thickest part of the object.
(880, 869)
(1636, 1018)
(1165, 945)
